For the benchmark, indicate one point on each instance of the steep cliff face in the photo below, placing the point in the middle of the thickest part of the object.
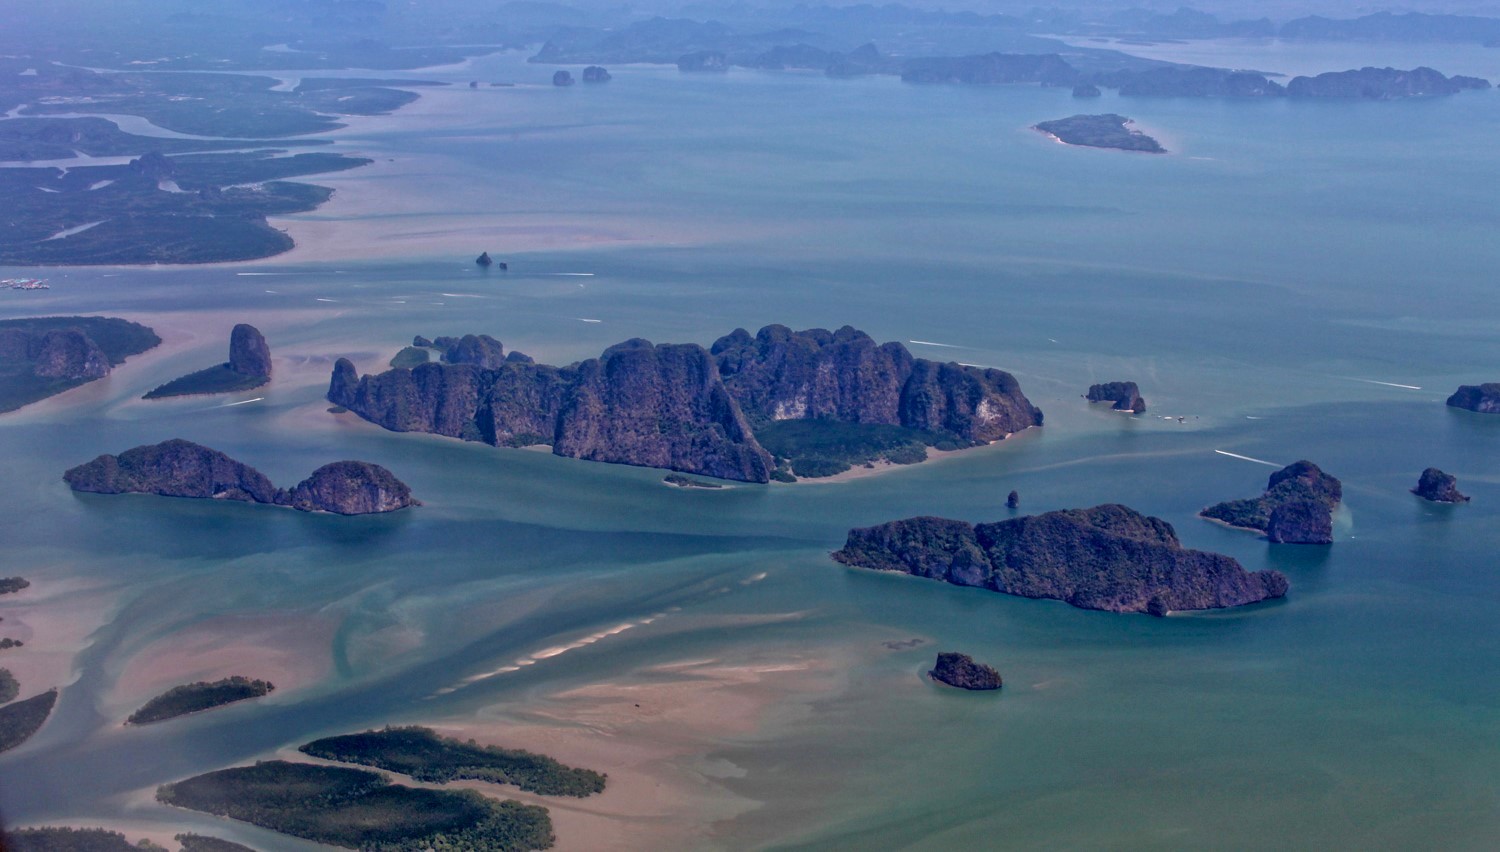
(1484, 398)
(1126, 396)
(846, 376)
(1439, 487)
(809, 375)
(481, 350)
(1108, 558)
(248, 353)
(350, 488)
(660, 406)
(681, 407)
(174, 468)
(179, 468)
(1308, 496)
(69, 354)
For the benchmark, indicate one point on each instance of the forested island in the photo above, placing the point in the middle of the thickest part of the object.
(199, 696)
(702, 411)
(1108, 557)
(358, 809)
(44, 356)
(1296, 508)
(179, 468)
(1100, 131)
(248, 367)
(20, 719)
(423, 755)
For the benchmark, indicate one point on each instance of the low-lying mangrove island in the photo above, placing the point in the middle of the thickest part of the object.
(199, 696)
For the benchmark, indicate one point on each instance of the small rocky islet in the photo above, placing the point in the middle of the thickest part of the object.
(1126, 396)
(1484, 399)
(1438, 487)
(1296, 508)
(1108, 557)
(960, 670)
(179, 468)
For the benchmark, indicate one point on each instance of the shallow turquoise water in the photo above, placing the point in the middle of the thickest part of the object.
(1260, 282)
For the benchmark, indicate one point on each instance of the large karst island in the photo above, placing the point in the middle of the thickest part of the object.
(179, 468)
(1109, 557)
(1484, 398)
(822, 399)
(1297, 507)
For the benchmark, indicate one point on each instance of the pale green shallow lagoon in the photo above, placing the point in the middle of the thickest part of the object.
(1316, 249)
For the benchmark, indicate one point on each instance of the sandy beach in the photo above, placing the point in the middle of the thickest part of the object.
(53, 618)
(653, 732)
(291, 650)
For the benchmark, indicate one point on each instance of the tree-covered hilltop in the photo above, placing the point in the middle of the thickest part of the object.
(44, 356)
(1100, 131)
(425, 756)
(9, 687)
(359, 809)
(1297, 507)
(11, 585)
(194, 697)
(1109, 557)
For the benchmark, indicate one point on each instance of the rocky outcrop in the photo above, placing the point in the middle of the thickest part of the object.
(154, 166)
(1484, 398)
(1297, 507)
(846, 376)
(1086, 90)
(248, 353)
(484, 258)
(562, 78)
(660, 406)
(179, 468)
(1439, 487)
(174, 468)
(68, 354)
(1108, 558)
(1013, 500)
(1381, 84)
(703, 60)
(961, 671)
(681, 407)
(1125, 396)
(351, 488)
(595, 74)
(481, 350)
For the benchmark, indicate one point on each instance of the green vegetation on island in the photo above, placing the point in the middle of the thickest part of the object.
(359, 809)
(411, 356)
(9, 688)
(29, 139)
(195, 697)
(44, 356)
(204, 843)
(1100, 131)
(20, 720)
(423, 755)
(11, 585)
(189, 208)
(64, 839)
(816, 448)
(216, 379)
